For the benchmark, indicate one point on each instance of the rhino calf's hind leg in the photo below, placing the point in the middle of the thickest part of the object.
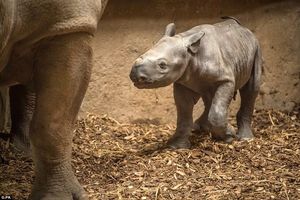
(248, 95)
(62, 73)
(22, 103)
(244, 116)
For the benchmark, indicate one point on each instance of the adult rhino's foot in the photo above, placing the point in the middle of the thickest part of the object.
(245, 133)
(179, 142)
(22, 145)
(59, 190)
(58, 183)
(70, 193)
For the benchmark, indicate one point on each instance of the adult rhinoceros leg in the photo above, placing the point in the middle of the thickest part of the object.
(22, 103)
(217, 116)
(62, 73)
(185, 99)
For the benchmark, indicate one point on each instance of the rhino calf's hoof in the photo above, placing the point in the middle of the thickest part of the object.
(179, 143)
(226, 137)
(245, 134)
(229, 139)
(230, 134)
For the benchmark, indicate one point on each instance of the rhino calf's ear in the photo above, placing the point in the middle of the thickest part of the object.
(193, 41)
(170, 30)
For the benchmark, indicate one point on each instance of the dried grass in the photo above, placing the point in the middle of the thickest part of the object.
(129, 161)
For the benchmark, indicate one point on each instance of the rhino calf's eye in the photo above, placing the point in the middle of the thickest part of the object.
(162, 65)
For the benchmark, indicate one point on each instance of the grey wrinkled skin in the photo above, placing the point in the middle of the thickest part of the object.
(208, 61)
(46, 59)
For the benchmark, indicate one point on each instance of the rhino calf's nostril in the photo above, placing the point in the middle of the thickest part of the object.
(142, 78)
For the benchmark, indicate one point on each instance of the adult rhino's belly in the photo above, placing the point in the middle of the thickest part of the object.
(7, 16)
(54, 18)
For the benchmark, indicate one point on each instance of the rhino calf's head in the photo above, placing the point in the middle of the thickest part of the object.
(166, 61)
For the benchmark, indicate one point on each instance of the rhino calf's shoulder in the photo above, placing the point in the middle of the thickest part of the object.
(208, 61)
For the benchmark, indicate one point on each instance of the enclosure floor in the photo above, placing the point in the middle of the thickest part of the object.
(129, 161)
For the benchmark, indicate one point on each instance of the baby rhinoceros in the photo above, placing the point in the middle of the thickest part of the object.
(208, 61)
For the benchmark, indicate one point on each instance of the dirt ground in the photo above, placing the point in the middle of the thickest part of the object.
(129, 28)
(129, 161)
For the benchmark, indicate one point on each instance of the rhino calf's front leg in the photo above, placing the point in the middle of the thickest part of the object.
(217, 117)
(185, 99)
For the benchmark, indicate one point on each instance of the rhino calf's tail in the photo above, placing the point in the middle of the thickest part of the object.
(257, 69)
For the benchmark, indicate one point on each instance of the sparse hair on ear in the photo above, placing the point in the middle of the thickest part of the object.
(193, 41)
(170, 30)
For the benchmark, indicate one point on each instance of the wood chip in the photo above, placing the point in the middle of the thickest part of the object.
(129, 161)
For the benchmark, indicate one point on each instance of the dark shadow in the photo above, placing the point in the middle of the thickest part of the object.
(154, 148)
(6, 136)
(145, 121)
(179, 9)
